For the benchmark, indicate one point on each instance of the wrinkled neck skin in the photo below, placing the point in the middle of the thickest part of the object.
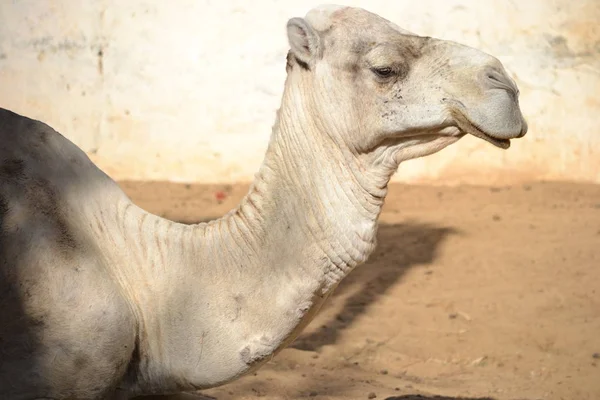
(222, 298)
(311, 198)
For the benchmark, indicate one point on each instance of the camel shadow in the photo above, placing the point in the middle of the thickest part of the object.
(422, 397)
(400, 247)
(188, 396)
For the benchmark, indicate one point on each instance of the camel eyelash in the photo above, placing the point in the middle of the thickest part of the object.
(383, 72)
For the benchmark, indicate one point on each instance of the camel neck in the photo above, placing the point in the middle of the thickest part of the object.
(307, 212)
(255, 277)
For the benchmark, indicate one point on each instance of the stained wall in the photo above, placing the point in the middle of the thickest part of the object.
(187, 90)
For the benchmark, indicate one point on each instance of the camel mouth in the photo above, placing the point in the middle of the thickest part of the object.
(501, 143)
(467, 126)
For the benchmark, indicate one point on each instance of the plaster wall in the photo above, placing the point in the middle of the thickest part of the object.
(187, 90)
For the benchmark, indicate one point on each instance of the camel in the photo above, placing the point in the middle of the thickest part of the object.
(100, 299)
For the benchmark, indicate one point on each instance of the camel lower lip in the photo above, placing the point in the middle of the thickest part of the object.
(501, 143)
(469, 127)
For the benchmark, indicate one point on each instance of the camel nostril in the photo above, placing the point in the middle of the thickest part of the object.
(493, 78)
(499, 80)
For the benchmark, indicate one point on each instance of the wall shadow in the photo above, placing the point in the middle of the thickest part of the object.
(400, 247)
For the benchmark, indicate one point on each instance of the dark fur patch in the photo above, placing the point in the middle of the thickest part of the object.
(291, 60)
(41, 194)
(302, 64)
(42, 135)
(12, 169)
(3, 209)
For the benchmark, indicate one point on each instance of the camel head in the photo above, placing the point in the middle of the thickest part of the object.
(390, 95)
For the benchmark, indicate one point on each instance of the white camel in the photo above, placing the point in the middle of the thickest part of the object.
(101, 300)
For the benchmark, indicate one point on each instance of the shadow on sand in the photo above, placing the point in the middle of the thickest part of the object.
(421, 397)
(400, 248)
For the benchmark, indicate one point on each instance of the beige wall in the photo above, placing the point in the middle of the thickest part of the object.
(187, 89)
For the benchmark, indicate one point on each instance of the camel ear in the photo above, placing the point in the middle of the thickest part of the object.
(303, 39)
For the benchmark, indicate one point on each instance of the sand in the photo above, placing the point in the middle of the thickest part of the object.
(472, 292)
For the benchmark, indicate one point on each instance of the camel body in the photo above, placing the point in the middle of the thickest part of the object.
(103, 300)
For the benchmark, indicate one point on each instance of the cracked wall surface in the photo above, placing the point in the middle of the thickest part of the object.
(188, 90)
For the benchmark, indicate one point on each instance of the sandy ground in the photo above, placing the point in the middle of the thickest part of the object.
(474, 292)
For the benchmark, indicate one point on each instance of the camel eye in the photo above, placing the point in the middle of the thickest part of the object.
(383, 72)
